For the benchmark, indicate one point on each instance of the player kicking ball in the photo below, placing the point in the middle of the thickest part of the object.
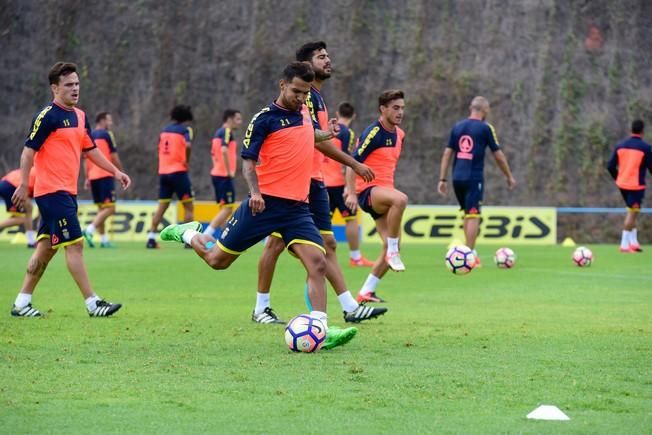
(277, 157)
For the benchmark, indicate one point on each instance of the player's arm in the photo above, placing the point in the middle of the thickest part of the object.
(612, 165)
(501, 161)
(115, 158)
(350, 197)
(87, 182)
(252, 143)
(21, 194)
(227, 163)
(446, 159)
(326, 147)
(188, 136)
(256, 201)
(96, 156)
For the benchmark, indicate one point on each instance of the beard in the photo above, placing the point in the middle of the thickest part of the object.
(321, 75)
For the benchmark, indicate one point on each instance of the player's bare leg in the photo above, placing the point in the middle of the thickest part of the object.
(274, 247)
(77, 268)
(314, 261)
(99, 224)
(37, 265)
(379, 269)
(188, 210)
(630, 238)
(471, 228)
(352, 232)
(221, 217)
(11, 221)
(156, 220)
(391, 203)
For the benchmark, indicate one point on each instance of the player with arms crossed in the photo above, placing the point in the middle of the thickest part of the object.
(335, 182)
(380, 147)
(60, 133)
(101, 182)
(225, 164)
(627, 167)
(466, 148)
(277, 154)
(173, 156)
(18, 215)
(315, 54)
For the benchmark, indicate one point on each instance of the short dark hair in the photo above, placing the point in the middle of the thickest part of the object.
(305, 52)
(390, 95)
(60, 69)
(181, 113)
(229, 113)
(346, 110)
(638, 126)
(101, 116)
(298, 69)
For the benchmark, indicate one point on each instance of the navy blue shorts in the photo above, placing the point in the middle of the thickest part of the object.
(336, 201)
(59, 220)
(320, 207)
(176, 183)
(224, 190)
(6, 192)
(469, 195)
(364, 201)
(103, 190)
(291, 219)
(633, 198)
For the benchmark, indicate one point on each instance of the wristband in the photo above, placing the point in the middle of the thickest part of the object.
(443, 180)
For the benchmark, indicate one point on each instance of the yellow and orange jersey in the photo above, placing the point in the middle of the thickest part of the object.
(173, 143)
(13, 178)
(106, 144)
(629, 162)
(223, 138)
(334, 171)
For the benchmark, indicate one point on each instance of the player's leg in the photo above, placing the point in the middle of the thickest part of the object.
(99, 224)
(29, 228)
(390, 203)
(225, 197)
(633, 210)
(103, 190)
(263, 312)
(35, 268)
(165, 192)
(219, 220)
(183, 190)
(12, 221)
(368, 291)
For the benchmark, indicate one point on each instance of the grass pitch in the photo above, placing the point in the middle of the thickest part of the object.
(470, 354)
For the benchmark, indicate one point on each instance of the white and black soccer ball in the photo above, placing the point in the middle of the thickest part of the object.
(305, 333)
(582, 256)
(460, 260)
(505, 258)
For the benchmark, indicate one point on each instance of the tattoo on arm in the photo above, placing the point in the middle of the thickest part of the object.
(249, 173)
(321, 135)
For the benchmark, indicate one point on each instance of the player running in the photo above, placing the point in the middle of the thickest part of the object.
(380, 147)
(315, 54)
(173, 156)
(627, 167)
(224, 153)
(18, 215)
(60, 133)
(335, 182)
(101, 182)
(277, 153)
(467, 144)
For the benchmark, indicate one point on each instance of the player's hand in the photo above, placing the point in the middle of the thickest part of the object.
(364, 171)
(333, 127)
(124, 179)
(87, 184)
(351, 201)
(511, 183)
(20, 196)
(231, 174)
(442, 188)
(256, 203)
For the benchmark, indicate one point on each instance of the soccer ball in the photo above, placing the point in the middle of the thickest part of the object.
(505, 258)
(305, 333)
(460, 259)
(583, 256)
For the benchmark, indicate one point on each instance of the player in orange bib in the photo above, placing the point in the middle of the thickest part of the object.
(59, 135)
(100, 181)
(18, 215)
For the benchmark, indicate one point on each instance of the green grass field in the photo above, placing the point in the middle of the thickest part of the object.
(470, 354)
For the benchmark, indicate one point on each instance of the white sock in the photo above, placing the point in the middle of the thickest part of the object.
(262, 302)
(370, 284)
(347, 302)
(151, 235)
(104, 238)
(23, 300)
(392, 245)
(321, 316)
(624, 239)
(355, 255)
(31, 236)
(209, 230)
(188, 235)
(633, 237)
(90, 229)
(91, 302)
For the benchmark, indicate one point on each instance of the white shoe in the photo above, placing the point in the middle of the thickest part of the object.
(394, 261)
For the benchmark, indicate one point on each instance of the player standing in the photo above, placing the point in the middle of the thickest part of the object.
(60, 132)
(225, 164)
(380, 147)
(335, 182)
(277, 153)
(173, 156)
(467, 143)
(18, 215)
(315, 54)
(101, 182)
(627, 167)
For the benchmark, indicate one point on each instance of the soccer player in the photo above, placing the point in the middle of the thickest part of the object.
(277, 153)
(380, 147)
(335, 182)
(18, 215)
(59, 134)
(102, 182)
(223, 151)
(466, 147)
(627, 167)
(315, 54)
(173, 156)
